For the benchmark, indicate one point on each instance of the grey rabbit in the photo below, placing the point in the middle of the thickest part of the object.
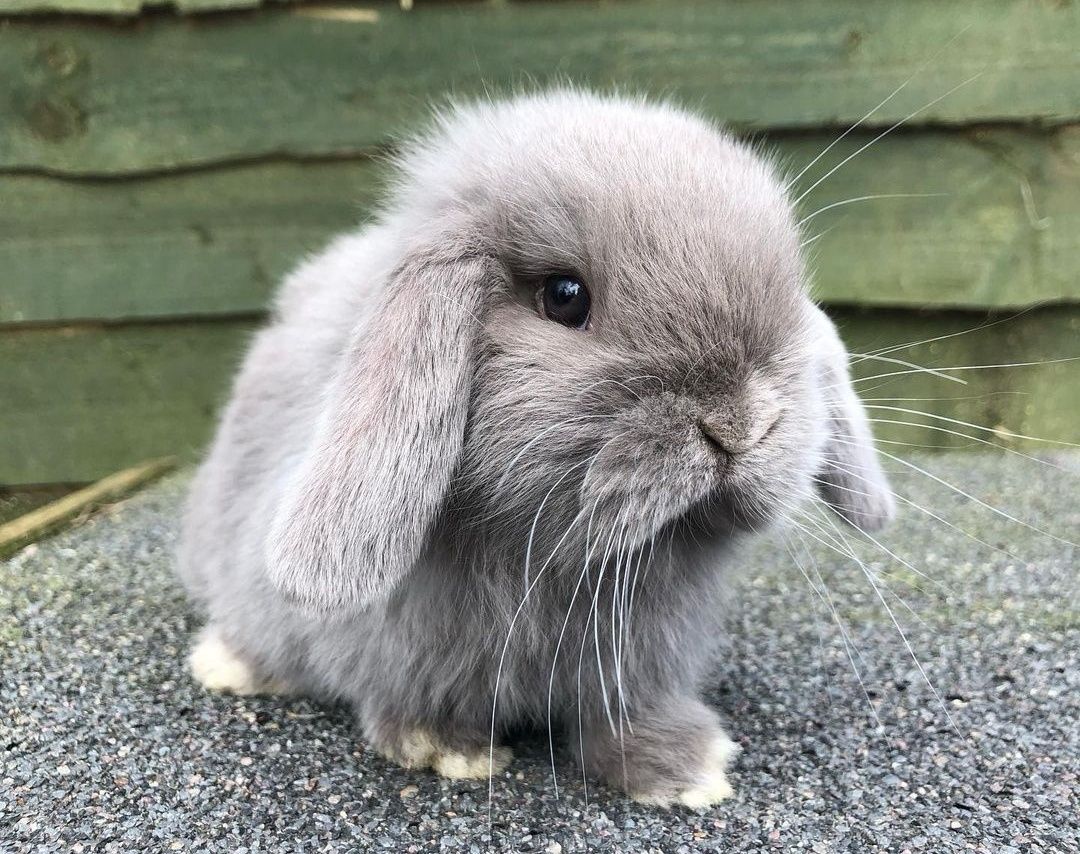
(485, 466)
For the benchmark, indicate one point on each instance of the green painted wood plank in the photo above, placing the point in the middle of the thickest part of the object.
(1036, 400)
(194, 244)
(1006, 234)
(1004, 231)
(310, 80)
(81, 403)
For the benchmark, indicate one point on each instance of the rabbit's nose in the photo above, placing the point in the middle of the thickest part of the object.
(736, 435)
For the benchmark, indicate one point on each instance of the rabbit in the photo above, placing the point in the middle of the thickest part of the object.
(488, 463)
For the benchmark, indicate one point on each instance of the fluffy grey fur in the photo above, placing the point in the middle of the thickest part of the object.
(414, 458)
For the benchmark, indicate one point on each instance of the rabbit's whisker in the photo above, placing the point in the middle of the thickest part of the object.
(948, 593)
(976, 439)
(910, 503)
(854, 199)
(954, 527)
(591, 617)
(632, 559)
(918, 445)
(877, 584)
(888, 374)
(595, 383)
(906, 364)
(624, 626)
(945, 522)
(822, 536)
(978, 501)
(621, 384)
(879, 137)
(502, 656)
(907, 501)
(950, 399)
(883, 574)
(580, 728)
(997, 432)
(823, 658)
(594, 619)
(925, 64)
(536, 518)
(895, 347)
(826, 598)
(537, 438)
(961, 368)
(641, 559)
(596, 632)
(853, 127)
(595, 458)
(852, 490)
(618, 601)
(620, 698)
(938, 429)
(826, 539)
(558, 643)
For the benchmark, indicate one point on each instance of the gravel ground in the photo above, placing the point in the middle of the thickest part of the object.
(107, 745)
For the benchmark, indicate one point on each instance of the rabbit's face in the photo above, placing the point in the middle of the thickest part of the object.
(595, 329)
(648, 356)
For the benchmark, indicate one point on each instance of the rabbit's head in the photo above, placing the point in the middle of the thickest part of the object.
(598, 331)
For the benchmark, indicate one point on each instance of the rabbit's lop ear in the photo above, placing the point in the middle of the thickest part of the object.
(388, 441)
(851, 481)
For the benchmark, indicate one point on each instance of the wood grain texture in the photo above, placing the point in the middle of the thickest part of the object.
(81, 403)
(44, 520)
(1005, 231)
(169, 92)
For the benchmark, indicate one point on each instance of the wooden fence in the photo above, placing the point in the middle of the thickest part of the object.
(161, 168)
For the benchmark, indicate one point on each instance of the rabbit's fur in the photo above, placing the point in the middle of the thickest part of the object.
(414, 457)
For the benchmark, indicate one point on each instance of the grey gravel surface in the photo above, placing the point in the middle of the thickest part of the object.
(107, 745)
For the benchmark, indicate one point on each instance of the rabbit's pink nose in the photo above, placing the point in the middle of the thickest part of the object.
(736, 435)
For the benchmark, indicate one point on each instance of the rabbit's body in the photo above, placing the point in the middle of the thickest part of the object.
(424, 660)
(421, 491)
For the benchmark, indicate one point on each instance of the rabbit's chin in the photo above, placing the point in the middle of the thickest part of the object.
(718, 515)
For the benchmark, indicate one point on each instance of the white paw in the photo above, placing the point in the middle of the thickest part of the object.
(476, 766)
(419, 749)
(713, 789)
(217, 668)
(710, 787)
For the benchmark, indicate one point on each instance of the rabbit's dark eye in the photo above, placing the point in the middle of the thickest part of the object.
(566, 301)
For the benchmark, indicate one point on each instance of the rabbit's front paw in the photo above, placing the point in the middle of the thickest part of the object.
(217, 668)
(710, 784)
(419, 748)
(675, 753)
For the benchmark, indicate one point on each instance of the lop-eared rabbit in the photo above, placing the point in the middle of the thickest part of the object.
(486, 465)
